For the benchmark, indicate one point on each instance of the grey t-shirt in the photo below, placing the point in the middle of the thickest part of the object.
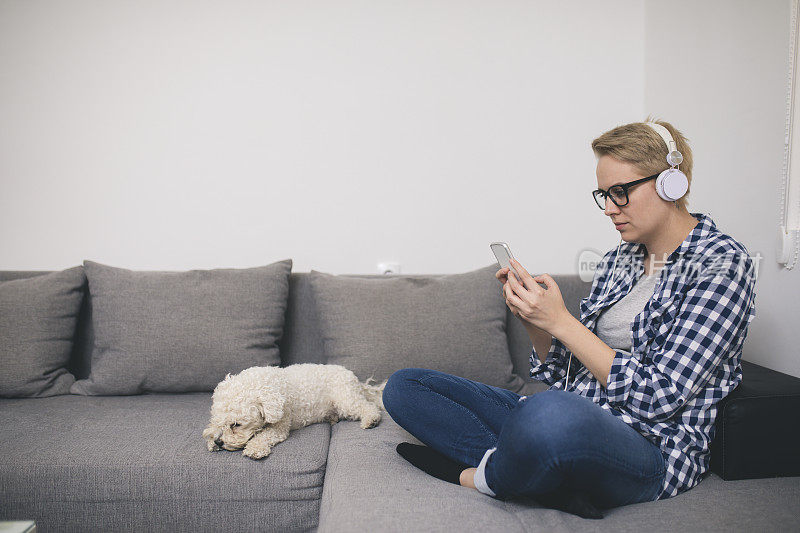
(614, 325)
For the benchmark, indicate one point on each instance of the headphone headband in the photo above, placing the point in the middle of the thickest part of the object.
(664, 133)
(674, 157)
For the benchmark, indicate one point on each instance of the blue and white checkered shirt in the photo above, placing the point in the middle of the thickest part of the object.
(686, 346)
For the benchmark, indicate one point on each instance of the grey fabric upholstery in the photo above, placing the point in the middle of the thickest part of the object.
(370, 487)
(454, 324)
(136, 463)
(301, 341)
(182, 331)
(37, 332)
(139, 463)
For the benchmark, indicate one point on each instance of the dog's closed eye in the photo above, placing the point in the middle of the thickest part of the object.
(235, 425)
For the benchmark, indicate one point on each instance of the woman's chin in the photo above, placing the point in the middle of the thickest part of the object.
(626, 234)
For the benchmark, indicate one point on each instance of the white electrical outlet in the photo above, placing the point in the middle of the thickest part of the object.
(388, 268)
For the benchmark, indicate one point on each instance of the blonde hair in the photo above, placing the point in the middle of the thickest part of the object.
(638, 144)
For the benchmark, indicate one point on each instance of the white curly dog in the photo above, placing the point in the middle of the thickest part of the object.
(258, 407)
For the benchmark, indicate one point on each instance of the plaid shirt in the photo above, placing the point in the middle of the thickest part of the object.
(686, 347)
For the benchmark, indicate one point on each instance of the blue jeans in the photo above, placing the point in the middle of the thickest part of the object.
(547, 443)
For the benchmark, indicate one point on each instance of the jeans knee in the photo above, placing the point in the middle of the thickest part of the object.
(396, 390)
(550, 421)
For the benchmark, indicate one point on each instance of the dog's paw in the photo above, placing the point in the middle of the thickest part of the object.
(212, 447)
(370, 421)
(256, 452)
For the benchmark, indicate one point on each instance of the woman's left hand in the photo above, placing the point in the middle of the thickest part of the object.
(544, 308)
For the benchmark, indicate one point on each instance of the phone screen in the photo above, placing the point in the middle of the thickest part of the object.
(502, 252)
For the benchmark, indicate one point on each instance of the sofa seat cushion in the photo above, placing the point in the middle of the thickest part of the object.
(85, 463)
(370, 487)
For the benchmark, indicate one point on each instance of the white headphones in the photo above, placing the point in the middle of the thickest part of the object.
(671, 184)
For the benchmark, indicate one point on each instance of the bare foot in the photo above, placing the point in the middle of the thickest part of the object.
(467, 478)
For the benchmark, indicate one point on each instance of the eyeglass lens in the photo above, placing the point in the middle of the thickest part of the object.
(618, 195)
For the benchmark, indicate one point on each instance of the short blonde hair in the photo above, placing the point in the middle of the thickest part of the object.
(638, 144)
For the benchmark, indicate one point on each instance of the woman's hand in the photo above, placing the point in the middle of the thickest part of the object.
(544, 308)
(502, 275)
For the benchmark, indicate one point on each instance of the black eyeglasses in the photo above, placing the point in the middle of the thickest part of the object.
(617, 193)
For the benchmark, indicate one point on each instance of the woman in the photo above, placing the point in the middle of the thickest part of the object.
(634, 383)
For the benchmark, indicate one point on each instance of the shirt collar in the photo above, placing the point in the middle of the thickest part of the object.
(704, 227)
(634, 253)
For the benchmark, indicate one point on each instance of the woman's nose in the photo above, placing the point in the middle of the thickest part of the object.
(611, 207)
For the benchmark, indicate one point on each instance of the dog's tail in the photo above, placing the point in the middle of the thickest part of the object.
(374, 393)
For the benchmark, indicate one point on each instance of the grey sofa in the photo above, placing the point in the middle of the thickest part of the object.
(63, 468)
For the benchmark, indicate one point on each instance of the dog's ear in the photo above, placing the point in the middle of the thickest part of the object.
(210, 434)
(270, 404)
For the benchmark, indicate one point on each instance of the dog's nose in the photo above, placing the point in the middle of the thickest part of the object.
(218, 442)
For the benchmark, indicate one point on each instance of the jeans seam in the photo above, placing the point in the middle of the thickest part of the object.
(478, 420)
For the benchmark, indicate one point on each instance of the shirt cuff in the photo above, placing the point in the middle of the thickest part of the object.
(549, 370)
(620, 378)
(480, 476)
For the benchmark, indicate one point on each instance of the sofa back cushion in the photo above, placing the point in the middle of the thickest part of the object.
(166, 331)
(38, 317)
(453, 323)
(302, 342)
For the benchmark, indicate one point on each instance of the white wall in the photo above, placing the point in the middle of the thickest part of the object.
(727, 93)
(197, 134)
(177, 134)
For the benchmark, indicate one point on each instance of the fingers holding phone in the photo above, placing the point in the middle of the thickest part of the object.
(502, 275)
(503, 254)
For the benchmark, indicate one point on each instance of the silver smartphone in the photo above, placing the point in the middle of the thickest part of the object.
(502, 252)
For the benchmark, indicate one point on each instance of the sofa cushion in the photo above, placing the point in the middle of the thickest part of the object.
(140, 463)
(370, 487)
(453, 323)
(162, 331)
(38, 316)
(301, 342)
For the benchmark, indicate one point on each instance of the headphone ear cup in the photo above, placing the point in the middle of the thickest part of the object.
(672, 184)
